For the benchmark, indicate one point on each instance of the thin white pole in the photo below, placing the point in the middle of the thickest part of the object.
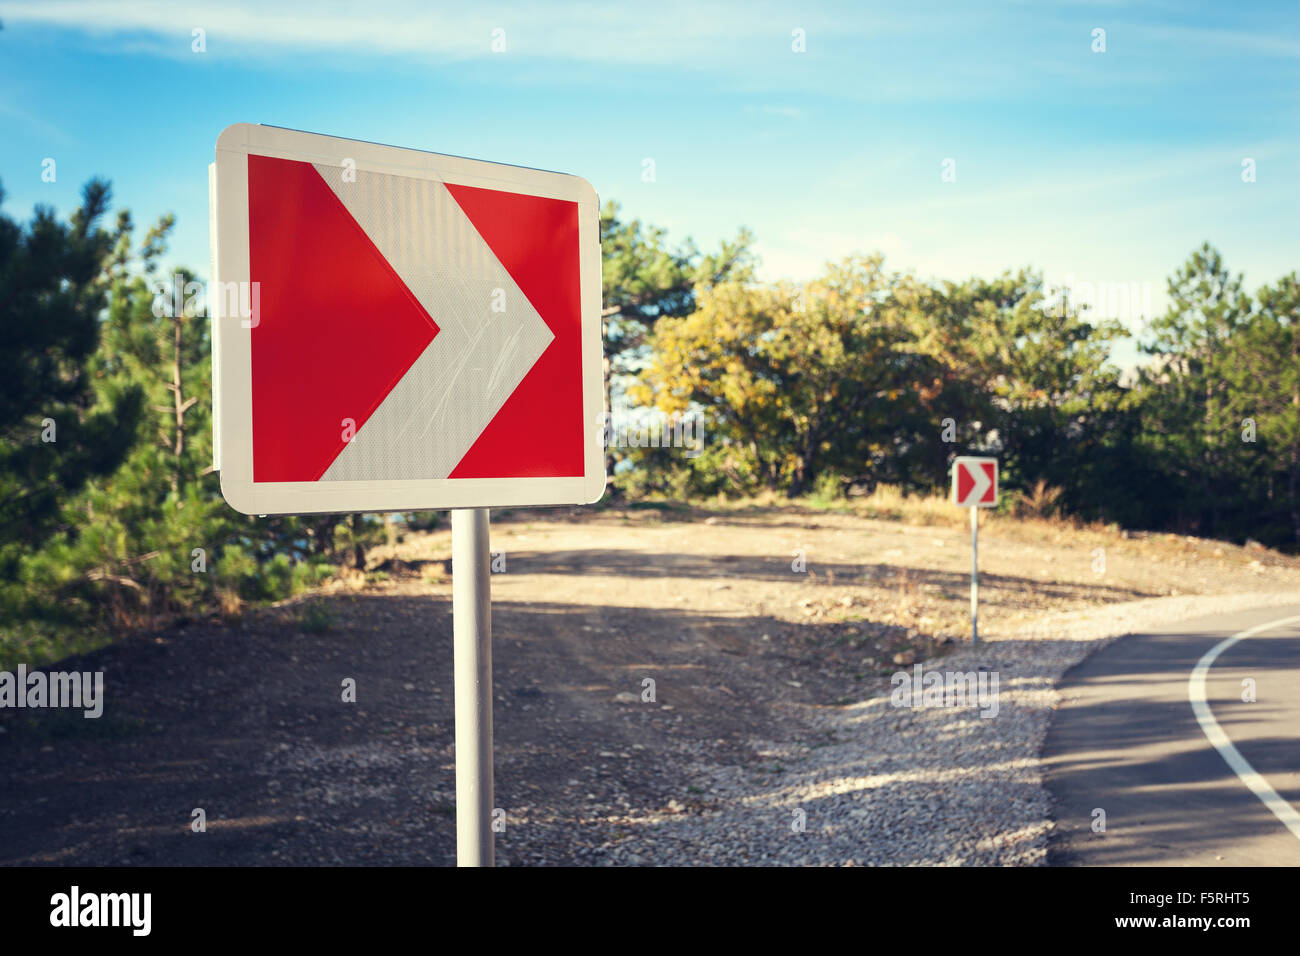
(471, 604)
(974, 576)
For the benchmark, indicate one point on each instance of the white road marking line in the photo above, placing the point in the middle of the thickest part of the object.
(1200, 706)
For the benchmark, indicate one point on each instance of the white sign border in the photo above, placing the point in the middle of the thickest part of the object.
(232, 343)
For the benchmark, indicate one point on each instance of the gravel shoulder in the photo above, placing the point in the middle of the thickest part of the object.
(770, 696)
(930, 786)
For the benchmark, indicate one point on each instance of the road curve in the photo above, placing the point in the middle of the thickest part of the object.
(1182, 780)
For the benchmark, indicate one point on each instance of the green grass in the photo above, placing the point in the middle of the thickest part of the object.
(69, 723)
(37, 643)
(314, 618)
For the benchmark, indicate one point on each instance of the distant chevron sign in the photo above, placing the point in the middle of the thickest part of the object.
(414, 331)
(975, 482)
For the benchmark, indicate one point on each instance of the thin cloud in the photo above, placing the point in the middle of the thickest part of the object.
(679, 32)
(43, 127)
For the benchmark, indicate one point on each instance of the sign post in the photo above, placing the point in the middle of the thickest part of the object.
(974, 575)
(398, 330)
(471, 602)
(974, 486)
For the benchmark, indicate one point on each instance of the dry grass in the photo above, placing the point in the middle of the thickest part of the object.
(1031, 518)
(230, 605)
(1041, 501)
(891, 503)
(885, 573)
(1032, 515)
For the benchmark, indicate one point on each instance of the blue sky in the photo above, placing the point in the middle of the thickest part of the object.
(1101, 167)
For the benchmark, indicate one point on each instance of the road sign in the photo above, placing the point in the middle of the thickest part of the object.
(975, 482)
(974, 486)
(399, 330)
(396, 330)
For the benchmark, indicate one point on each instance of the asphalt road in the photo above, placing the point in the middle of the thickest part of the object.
(1127, 740)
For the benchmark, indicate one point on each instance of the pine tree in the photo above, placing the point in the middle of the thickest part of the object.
(54, 435)
(1263, 376)
(1194, 427)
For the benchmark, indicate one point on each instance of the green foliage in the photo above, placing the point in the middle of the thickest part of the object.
(423, 520)
(646, 279)
(862, 373)
(1186, 392)
(828, 490)
(56, 432)
(314, 618)
(1263, 374)
(791, 381)
(865, 377)
(149, 539)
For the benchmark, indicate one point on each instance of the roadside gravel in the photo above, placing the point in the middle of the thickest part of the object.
(666, 692)
(884, 785)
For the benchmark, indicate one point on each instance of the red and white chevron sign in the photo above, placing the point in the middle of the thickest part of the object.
(395, 329)
(975, 482)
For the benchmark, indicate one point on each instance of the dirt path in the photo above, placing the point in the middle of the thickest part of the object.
(247, 722)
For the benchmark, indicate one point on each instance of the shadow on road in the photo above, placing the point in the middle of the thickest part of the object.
(1127, 741)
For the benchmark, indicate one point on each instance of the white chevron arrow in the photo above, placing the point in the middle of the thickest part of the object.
(982, 482)
(431, 417)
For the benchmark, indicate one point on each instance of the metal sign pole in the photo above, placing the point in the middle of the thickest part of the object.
(974, 575)
(471, 605)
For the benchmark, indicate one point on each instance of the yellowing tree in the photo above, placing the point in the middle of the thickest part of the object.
(798, 381)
